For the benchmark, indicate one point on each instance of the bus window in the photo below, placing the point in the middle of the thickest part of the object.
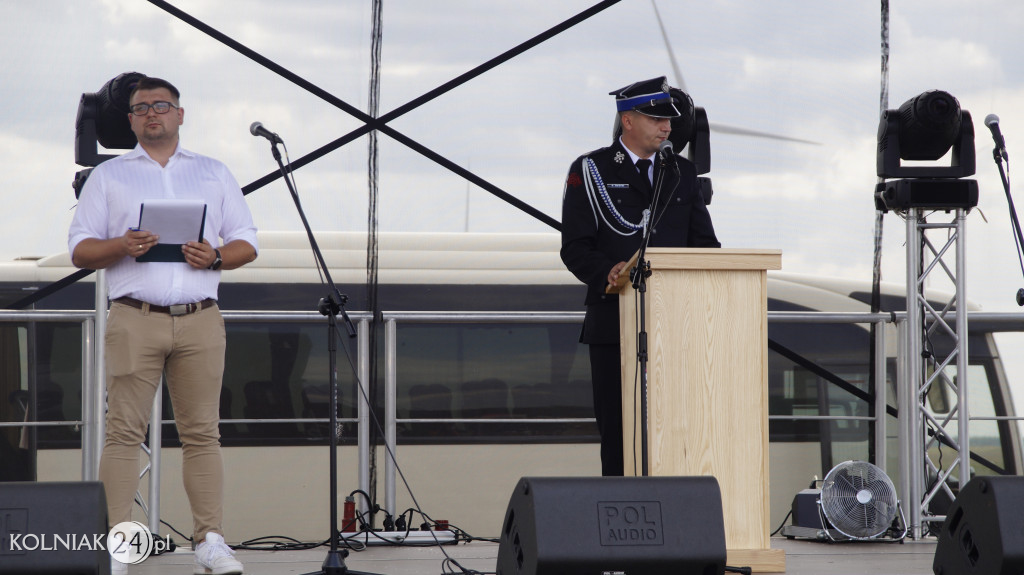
(502, 371)
(279, 371)
(938, 397)
(15, 462)
(984, 438)
(40, 380)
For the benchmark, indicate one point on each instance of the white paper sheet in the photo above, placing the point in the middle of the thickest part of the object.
(175, 221)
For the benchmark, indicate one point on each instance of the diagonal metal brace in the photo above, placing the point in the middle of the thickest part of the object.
(380, 124)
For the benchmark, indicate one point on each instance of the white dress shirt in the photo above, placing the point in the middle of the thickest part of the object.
(634, 158)
(109, 204)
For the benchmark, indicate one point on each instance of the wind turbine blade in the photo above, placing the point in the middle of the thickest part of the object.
(721, 128)
(724, 129)
(671, 55)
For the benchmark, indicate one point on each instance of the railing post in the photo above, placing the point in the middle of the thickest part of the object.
(881, 398)
(363, 411)
(156, 440)
(903, 405)
(390, 412)
(92, 405)
(99, 365)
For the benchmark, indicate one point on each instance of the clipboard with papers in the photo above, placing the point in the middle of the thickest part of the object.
(176, 222)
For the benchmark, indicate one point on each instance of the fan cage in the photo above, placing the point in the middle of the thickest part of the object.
(858, 499)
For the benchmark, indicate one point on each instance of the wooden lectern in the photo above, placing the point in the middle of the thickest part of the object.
(707, 333)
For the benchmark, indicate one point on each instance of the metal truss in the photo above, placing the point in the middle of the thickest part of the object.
(933, 399)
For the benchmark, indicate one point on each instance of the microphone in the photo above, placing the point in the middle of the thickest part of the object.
(992, 121)
(257, 129)
(665, 151)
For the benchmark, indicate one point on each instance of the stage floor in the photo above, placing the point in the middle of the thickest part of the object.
(802, 558)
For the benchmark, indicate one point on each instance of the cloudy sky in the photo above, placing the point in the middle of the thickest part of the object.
(803, 68)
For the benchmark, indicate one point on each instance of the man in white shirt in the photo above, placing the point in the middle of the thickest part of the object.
(163, 315)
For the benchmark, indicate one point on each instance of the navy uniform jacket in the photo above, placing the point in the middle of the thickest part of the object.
(594, 239)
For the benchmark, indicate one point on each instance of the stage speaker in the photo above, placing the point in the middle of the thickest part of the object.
(632, 525)
(984, 529)
(53, 528)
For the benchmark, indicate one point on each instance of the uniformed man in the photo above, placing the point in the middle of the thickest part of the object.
(607, 202)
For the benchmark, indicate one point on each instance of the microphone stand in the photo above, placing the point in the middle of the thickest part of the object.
(998, 156)
(638, 277)
(329, 306)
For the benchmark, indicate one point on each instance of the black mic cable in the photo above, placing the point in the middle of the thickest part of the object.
(665, 159)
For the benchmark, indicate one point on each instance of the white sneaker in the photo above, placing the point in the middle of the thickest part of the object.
(118, 568)
(214, 557)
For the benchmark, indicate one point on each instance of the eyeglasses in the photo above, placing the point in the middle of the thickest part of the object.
(158, 107)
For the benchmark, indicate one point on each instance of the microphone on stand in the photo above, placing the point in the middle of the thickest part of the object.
(992, 121)
(999, 153)
(257, 129)
(665, 152)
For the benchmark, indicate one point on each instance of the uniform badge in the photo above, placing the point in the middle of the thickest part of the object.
(574, 180)
(619, 157)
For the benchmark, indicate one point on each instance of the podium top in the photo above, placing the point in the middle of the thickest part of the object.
(703, 259)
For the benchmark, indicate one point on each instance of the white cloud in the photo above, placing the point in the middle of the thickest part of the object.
(127, 51)
(128, 12)
(37, 199)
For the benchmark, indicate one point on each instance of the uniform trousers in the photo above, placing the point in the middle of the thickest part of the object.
(606, 378)
(140, 346)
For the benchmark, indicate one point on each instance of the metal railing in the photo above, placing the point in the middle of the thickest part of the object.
(93, 405)
(392, 319)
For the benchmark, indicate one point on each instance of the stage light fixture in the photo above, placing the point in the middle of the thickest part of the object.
(699, 152)
(103, 118)
(924, 129)
(690, 130)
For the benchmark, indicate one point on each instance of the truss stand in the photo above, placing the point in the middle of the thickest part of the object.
(927, 369)
(926, 128)
(330, 306)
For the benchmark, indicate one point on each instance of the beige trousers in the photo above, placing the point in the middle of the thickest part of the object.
(140, 346)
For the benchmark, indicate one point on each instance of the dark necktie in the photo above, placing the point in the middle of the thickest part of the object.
(644, 167)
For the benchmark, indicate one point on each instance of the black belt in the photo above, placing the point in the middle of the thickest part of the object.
(179, 309)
